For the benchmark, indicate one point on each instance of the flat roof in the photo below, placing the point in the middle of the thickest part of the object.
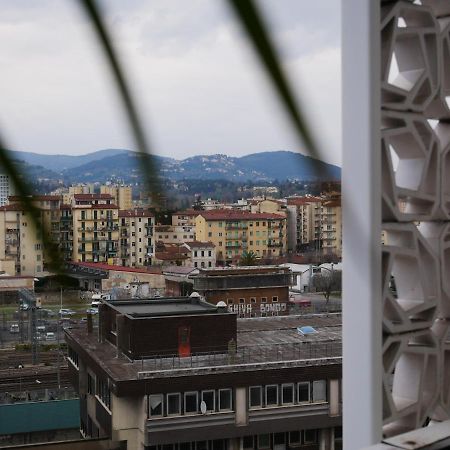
(164, 307)
(262, 344)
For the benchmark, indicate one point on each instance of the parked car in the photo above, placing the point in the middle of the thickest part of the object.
(92, 310)
(66, 312)
(41, 329)
(50, 336)
(14, 328)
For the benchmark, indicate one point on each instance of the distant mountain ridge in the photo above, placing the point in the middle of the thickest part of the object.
(110, 164)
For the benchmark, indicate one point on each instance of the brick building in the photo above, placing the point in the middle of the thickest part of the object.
(251, 291)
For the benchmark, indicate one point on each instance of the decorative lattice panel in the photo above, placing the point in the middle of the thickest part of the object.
(415, 152)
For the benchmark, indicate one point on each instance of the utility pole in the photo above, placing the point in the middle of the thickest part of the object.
(58, 368)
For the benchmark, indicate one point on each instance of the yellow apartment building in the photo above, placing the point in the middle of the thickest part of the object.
(235, 232)
(95, 227)
(122, 195)
(136, 237)
(331, 237)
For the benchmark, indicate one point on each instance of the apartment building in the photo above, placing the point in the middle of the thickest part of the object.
(136, 237)
(174, 234)
(122, 195)
(252, 291)
(6, 188)
(315, 224)
(182, 374)
(331, 235)
(235, 232)
(21, 244)
(184, 218)
(95, 225)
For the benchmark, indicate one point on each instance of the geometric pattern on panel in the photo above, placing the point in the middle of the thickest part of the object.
(411, 279)
(410, 167)
(409, 56)
(415, 152)
(410, 381)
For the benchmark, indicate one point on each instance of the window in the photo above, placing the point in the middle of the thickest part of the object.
(263, 299)
(272, 395)
(195, 253)
(303, 392)
(274, 299)
(310, 437)
(184, 446)
(278, 439)
(252, 299)
(209, 253)
(190, 402)
(90, 384)
(230, 301)
(173, 404)
(209, 398)
(202, 253)
(242, 300)
(319, 391)
(263, 439)
(225, 403)
(255, 397)
(155, 407)
(294, 438)
(220, 243)
(287, 394)
(210, 234)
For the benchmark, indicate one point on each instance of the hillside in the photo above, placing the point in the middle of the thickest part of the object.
(106, 165)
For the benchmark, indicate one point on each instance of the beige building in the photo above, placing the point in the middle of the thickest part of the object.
(201, 254)
(315, 225)
(21, 244)
(122, 195)
(184, 218)
(95, 225)
(331, 235)
(170, 234)
(235, 232)
(136, 237)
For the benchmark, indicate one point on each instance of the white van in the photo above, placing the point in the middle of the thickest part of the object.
(14, 328)
(96, 299)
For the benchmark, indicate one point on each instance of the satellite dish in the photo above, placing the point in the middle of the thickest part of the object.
(203, 407)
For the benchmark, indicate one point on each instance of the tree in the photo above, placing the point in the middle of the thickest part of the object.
(327, 281)
(248, 259)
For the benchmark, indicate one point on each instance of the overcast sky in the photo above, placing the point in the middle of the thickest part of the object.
(198, 85)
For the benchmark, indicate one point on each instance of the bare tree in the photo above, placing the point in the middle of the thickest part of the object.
(327, 281)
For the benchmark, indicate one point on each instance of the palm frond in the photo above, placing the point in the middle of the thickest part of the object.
(252, 21)
(149, 169)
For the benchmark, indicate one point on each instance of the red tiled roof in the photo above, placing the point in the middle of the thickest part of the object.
(102, 266)
(199, 244)
(92, 196)
(303, 200)
(48, 198)
(233, 214)
(188, 212)
(167, 256)
(14, 207)
(135, 213)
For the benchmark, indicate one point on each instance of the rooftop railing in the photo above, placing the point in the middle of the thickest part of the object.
(245, 356)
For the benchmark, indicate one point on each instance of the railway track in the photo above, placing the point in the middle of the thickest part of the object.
(12, 359)
(29, 379)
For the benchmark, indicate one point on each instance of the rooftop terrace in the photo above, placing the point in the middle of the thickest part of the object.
(262, 343)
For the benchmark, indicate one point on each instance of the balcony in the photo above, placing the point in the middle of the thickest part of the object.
(236, 227)
(275, 244)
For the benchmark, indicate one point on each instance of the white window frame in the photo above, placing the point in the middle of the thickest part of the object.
(260, 397)
(308, 390)
(291, 385)
(179, 404)
(162, 405)
(196, 403)
(231, 399)
(207, 391)
(266, 388)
